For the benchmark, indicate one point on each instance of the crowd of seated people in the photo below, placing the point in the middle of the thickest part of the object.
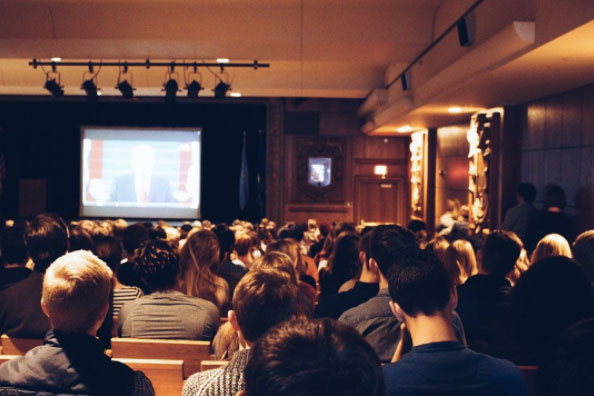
(452, 314)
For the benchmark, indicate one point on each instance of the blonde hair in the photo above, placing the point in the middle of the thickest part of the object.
(197, 259)
(291, 248)
(460, 261)
(76, 291)
(551, 245)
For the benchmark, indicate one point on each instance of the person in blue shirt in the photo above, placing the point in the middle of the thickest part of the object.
(435, 363)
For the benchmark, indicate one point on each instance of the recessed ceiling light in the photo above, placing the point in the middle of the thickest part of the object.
(235, 94)
(222, 60)
(56, 59)
(455, 109)
(403, 129)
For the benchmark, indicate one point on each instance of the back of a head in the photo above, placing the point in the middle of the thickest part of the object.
(344, 261)
(134, 236)
(416, 226)
(243, 244)
(226, 239)
(387, 242)
(527, 191)
(156, 263)
(157, 233)
(76, 291)
(583, 252)
(365, 243)
(567, 366)
(12, 244)
(313, 358)
(279, 261)
(554, 197)
(109, 249)
(201, 250)
(460, 261)
(46, 238)
(419, 284)
(500, 253)
(291, 248)
(80, 239)
(263, 299)
(551, 245)
(553, 294)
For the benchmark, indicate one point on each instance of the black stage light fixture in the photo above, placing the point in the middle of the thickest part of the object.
(126, 89)
(54, 88)
(221, 89)
(193, 89)
(91, 89)
(171, 89)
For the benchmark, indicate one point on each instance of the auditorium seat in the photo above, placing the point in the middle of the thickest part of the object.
(18, 346)
(212, 364)
(165, 375)
(191, 352)
(530, 376)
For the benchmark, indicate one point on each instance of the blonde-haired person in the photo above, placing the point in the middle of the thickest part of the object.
(551, 245)
(197, 259)
(460, 261)
(75, 297)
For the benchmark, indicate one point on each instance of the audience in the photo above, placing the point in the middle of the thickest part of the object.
(551, 245)
(484, 298)
(13, 253)
(226, 269)
(551, 296)
(419, 230)
(423, 299)
(313, 358)
(243, 248)
(46, 238)
(518, 218)
(333, 306)
(460, 261)
(165, 312)
(551, 220)
(262, 299)
(583, 252)
(75, 297)
(197, 258)
(567, 366)
(343, 267)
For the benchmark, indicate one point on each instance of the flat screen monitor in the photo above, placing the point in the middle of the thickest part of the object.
(147, 173)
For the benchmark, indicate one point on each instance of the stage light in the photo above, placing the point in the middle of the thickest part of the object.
(126, 89)
(193, 89)
(221, 89)
(54, 88)
(91, 89)
(171, 89)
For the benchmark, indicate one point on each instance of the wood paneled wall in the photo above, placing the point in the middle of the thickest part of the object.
(337, 120)
(557, 146)
(451, 180)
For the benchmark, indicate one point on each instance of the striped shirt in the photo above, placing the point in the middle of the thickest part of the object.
(123, 295)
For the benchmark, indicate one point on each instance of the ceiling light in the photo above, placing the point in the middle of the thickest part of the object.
(126, 89)
(222, 60)
(235, 94)
(90, 88)
(53, 86)
(56, 59)
(455, 109)
(193, 89)
(404, 129)
(221, 89)
(171, 89)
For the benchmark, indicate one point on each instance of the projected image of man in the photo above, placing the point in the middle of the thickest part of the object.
(142, 186)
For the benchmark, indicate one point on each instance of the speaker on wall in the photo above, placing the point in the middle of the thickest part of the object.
(466, 30)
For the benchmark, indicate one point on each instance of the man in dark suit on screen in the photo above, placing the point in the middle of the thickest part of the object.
(142, 186)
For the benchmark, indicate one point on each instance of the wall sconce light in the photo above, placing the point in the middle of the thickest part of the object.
(380, 170)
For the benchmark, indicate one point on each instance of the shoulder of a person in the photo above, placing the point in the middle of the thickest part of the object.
(197, 383)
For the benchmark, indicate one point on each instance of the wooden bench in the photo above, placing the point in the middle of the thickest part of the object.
(212, 364)
(191, 352)
(18, 346)
(165, 375)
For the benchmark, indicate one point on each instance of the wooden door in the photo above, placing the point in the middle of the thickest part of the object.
(380, 200)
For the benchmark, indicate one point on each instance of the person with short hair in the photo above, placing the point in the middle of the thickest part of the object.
(46, 238)
(75, 297)
(483, 299)
(313, 358)
(164, 312)
(262, 299)
(518, 218)
(551, 220)
(243, 248)
(423, 298)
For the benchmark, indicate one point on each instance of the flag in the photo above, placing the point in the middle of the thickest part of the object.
(244, 189)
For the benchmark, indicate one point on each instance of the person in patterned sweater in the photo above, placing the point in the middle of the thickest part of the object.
(262, 299)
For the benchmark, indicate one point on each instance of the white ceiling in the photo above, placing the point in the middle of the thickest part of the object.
(317, 48)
